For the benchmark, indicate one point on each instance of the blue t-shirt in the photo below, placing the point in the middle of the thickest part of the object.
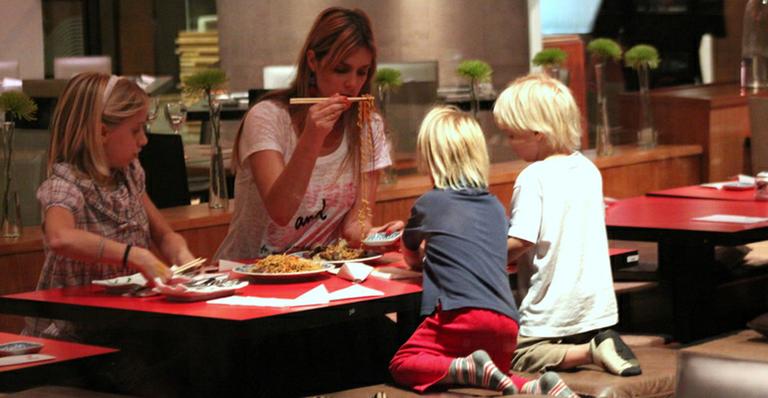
(466, 259)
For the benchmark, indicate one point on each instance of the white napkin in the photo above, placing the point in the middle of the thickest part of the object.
(730, 218)
(228, 265)
(355, 272)
(390, 272)
(317, 295)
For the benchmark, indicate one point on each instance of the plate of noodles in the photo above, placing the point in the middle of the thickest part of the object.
(337, 253)
(282, 266)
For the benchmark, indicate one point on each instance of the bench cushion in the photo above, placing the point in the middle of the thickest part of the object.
(746, 344)
(657, 380)
(62, 392)
(392, 391)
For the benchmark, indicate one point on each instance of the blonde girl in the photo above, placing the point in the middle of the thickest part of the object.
(98, 221)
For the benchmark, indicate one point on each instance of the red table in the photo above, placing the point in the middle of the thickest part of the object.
(70, 357)
(699, 192)
(686, 250)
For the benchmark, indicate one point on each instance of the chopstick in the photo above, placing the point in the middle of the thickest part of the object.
(314, 100)
(189, 265)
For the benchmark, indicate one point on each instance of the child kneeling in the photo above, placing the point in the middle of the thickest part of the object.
(457, 234)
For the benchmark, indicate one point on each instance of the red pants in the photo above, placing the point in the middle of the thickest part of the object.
(445, 335)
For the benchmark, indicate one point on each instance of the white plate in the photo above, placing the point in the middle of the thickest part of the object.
(380, 239)
(19, 348)
(367, 256)
(199, 293)
(245, 270)
(122, 284)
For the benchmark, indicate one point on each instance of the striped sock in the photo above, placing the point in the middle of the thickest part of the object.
(478, 370)
(549, 383)
(609, 351)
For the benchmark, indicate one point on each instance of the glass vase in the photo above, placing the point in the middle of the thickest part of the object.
(603, 130)
(218, 197)
(10, 208)
(390, 173)
(754, 45)
(647, 137)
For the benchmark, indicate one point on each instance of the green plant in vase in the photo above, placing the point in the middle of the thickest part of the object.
(603, 50)
(14, 105)
(477, 72)
(551, 60)
(643, 58)
(388, 80)
(205, 83)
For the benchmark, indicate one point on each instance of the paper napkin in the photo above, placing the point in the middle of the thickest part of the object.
(391, 272)
(729, 218)
(355, 272)
(317, 295)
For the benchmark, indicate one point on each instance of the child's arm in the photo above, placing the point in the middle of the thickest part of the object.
(65, 239)
(171, 244)
(516, 247)
(413, 257)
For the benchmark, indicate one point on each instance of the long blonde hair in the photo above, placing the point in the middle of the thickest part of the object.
(335, 34)
(81, 112)
(537, 102)
(451, 148)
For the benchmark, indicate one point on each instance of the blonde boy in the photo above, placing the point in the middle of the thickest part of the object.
(557, 234)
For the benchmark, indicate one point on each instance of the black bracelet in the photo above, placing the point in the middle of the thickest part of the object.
(125, 255)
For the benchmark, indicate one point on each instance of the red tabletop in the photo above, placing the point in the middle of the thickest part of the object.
(62, 350)
(95, 297)
(699, 192)
(676, 214)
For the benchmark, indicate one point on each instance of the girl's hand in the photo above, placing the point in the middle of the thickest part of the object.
(388, 228)
(149, 265)
(321, 117)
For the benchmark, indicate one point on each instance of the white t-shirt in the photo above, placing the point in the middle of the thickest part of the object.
(328, 198)
(565, 278)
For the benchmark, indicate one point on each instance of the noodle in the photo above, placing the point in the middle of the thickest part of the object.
(365, 110)
(282, 264)
(337, 251)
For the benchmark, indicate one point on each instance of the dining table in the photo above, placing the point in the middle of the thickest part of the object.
(228, 330)
(62, 361)
(687, 232)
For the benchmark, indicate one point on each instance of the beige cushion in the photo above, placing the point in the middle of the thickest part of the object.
(657, 380)
(747, 344)
(397, 392)
(62, 392)
(702, 375)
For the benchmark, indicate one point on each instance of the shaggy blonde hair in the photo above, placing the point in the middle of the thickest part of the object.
(79, 116)
(451, 148)
(542, 104)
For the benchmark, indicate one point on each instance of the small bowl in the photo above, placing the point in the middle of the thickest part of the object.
(19, 348)
(382, 239)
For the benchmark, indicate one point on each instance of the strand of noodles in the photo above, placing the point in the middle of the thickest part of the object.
(365, 110)
(283, 263)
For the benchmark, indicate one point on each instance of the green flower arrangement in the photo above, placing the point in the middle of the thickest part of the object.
(604, 49)
(549, 57)
(476, 71)
(388, 78)
(204, 82)
(18, 105)
(642, 55)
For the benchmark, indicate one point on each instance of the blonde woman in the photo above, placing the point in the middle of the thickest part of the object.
(97, 219)
(457, 234)
(300, 180)
(557, 234)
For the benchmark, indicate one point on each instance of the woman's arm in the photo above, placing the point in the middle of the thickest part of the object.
(171, 244)
(351, 229)
(282, 186)
(516, 247)
(65, 239)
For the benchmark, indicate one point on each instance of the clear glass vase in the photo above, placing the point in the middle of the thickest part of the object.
(647, 137)
(10, 208)
(754, 45)
(390, 173)
(218, 197)
(603, 130)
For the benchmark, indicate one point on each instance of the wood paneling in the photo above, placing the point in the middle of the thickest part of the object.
(628, 172)
(577, 82)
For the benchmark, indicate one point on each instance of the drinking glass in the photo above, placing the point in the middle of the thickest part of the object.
(154, 108)
(176, 114)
